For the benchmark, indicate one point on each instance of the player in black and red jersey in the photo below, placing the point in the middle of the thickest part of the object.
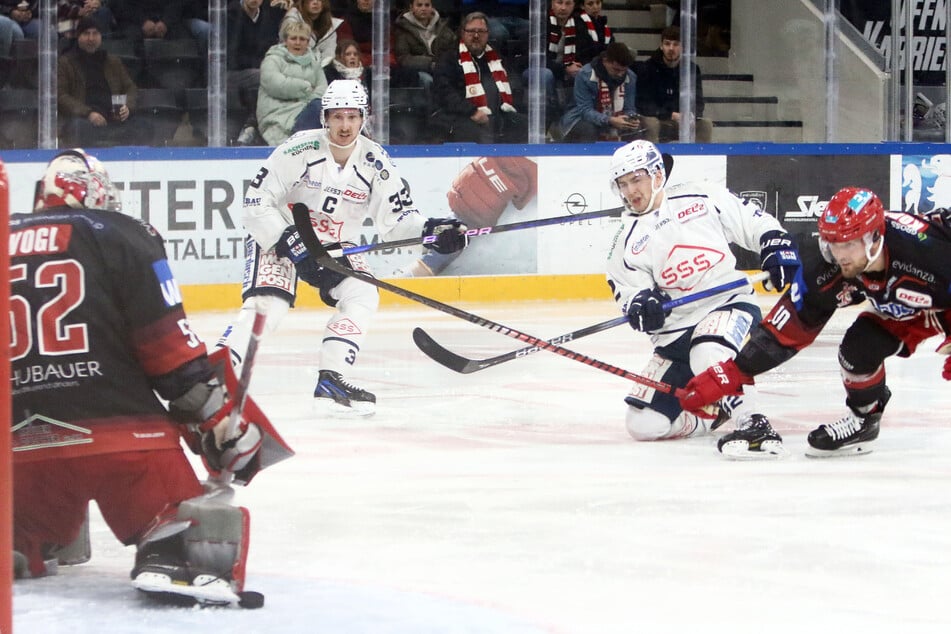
(901, 264)
(97, 330)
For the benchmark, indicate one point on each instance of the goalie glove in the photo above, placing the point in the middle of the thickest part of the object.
(445, 235)
(779, 257)
(484, 188)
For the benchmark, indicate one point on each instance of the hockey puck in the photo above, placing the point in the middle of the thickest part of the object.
(251, 600)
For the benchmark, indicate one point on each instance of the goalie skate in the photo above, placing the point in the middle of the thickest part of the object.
(181, 585)
(753, 439)
(336, 397)
(850, 435)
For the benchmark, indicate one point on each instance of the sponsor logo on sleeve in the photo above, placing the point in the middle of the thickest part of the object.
(171, 293)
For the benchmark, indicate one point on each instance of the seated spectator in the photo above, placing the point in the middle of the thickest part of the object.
(347, 65)
(252, 30)
(325, 29)
(562, 55)
(596, 31)
(604, 98)
(420, 37)
(359, 16)
(658, 94)
(87, 79)
(195, 16)
(25, 14)
(471, 91)
(157, 19)
(70, 12)
(508, 19)
(9, 31)
(292, 83)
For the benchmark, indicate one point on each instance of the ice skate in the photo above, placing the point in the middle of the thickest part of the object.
(753, 439)
(171, 580)
(851, 434)
(336, 396)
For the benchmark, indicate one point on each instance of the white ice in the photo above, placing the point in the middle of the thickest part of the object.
(513, 500)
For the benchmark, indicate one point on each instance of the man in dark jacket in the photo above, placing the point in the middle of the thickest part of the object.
(658, 92)
(96, 95)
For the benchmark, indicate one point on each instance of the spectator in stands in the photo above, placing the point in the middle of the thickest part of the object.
(562, 55)
(25, 14)
(70, 12)
(292, 83)
(195, 16)
(596, 31)
(604, 100)
(471, 91)
(9, 31)
(157, 19)
(359, 15)
(253, 27)
(508, 20)
(325, 29)
(420, 37)
(347, 64)
(87, 78)
(658, 94)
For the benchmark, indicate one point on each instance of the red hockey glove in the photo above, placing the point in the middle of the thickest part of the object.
(483, 189)
(717, 381)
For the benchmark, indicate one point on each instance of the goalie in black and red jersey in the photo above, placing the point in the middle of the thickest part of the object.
(901, 264)
(97, 330)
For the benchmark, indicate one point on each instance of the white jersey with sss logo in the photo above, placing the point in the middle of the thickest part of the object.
(684, 247)
(340, 198)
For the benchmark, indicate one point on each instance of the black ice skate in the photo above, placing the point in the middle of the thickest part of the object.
(170, 580)
(851, 434)
(753, 439)
(340, 397)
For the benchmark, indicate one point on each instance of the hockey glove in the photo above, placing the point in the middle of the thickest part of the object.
(646, 311)
(445, 235)
(708, 387)
(483, 189)
(779, 257)
(291, 246)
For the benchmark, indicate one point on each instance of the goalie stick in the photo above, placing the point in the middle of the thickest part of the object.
(461, 364)
(483, 231)
(319, 253)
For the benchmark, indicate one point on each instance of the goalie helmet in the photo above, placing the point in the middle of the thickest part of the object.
(76, 179)
(636, 155)
(852, 213)
(344, 93)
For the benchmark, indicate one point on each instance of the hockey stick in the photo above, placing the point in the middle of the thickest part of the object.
(319, 253)
(483, 231)
(458, 363)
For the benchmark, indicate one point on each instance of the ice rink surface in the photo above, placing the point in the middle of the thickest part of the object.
(513, 500)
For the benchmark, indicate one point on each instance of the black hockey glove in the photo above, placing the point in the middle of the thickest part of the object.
(292, 247)
(646, 311)
(445, 235)
(780, 258)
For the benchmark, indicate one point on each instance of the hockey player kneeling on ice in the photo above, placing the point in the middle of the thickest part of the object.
(674, 241)
(343, 178)
(99, 329)
(901, 264)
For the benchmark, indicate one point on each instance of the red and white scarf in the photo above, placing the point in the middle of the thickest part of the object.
(593, 32)
(475, 93)
(554, 36)
(613, 105)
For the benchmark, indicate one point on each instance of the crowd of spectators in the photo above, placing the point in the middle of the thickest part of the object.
(467, 57)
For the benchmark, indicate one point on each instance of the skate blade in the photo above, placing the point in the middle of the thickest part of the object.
(329, 408)
(213, 593)
(740, 450)
(858, 449)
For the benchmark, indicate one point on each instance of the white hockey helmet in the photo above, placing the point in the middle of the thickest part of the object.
(636, 155)
(76, 179)
(344, 93)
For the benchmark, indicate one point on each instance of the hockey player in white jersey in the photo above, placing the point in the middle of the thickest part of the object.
(344, 178)
(676, 241)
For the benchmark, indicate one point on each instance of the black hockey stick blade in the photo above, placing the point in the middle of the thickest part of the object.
(319, 253)
(483, 231)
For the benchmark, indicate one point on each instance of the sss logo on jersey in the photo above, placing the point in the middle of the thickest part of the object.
(171, 293)
(687, 264)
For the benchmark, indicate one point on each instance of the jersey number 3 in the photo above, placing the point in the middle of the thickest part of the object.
(52, 337)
